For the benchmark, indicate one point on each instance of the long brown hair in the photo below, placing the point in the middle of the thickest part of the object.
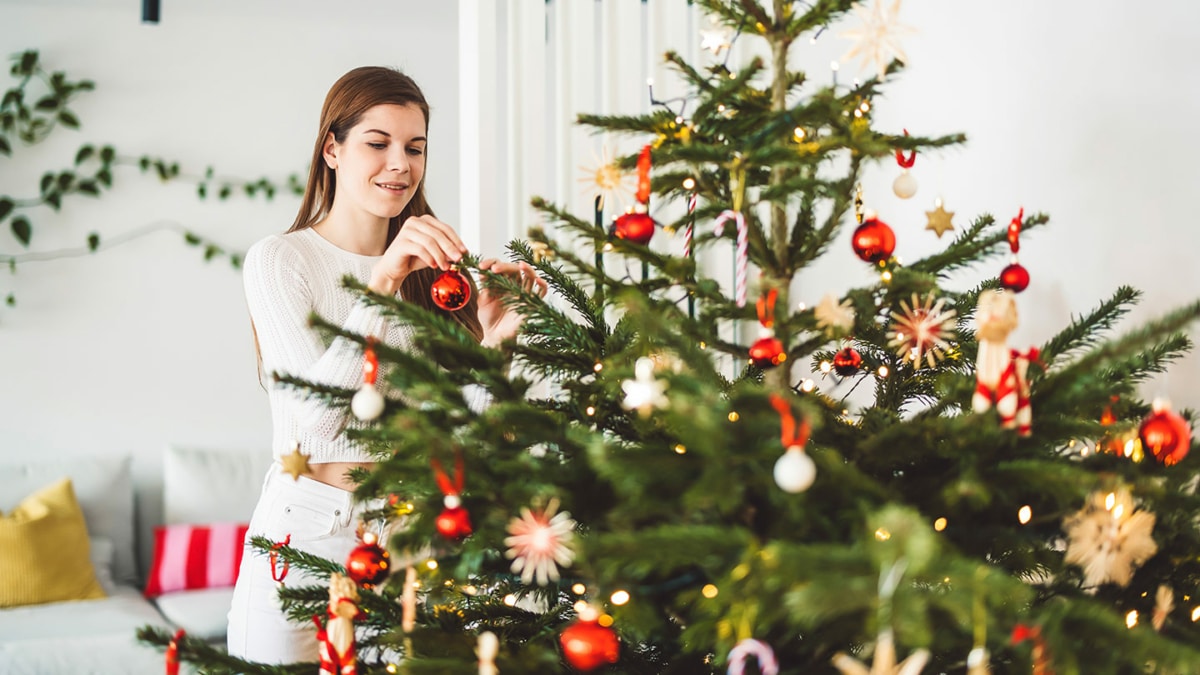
(348, 100)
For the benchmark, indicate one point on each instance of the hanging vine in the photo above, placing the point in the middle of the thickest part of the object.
(38, 103)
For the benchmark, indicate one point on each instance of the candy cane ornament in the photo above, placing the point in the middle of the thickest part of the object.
(743, 249)
(761, 651)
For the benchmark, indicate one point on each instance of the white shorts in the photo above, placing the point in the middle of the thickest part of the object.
(322, 520)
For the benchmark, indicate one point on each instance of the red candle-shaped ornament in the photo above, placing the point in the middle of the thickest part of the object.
(450, 290)
(637, 225)
(873, 241)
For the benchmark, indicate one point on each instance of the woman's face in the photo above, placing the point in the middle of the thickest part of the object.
(382, 161)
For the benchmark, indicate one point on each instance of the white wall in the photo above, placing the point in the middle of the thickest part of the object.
(1082, 112)
(146, 344)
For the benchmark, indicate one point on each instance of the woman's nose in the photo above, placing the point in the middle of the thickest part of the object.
(398, 160)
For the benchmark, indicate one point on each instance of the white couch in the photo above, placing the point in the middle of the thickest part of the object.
(97, 636)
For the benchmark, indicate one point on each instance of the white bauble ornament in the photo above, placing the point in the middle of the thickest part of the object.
(367, 404)
(905, 185)
(795, 470)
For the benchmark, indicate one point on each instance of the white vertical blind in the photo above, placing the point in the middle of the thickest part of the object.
(555, 59)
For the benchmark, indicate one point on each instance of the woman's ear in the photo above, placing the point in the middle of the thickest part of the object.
(329, 151)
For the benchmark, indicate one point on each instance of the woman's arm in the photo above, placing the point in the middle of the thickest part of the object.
(280, 299)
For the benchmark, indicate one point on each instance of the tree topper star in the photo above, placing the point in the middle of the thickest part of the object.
(877, 40)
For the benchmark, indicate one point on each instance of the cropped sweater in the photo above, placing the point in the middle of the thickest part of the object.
(288, 277)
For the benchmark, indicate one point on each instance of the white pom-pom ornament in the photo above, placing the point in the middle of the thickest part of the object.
(795, 470)
(367, 404)
(905, 185)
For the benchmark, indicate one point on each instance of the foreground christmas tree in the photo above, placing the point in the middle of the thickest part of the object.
(693, 495)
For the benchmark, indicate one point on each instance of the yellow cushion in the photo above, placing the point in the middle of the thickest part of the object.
(44, 550)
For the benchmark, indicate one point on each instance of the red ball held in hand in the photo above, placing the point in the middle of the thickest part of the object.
(874, 241)
(451, 290)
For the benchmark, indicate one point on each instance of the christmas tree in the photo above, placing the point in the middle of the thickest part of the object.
(665, 480)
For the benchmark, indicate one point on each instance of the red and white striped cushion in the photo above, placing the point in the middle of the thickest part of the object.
(188, 557)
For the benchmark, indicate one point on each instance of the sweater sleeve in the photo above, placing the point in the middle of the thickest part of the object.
(279, 294)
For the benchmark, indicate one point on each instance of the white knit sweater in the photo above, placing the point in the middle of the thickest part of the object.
(288, 277)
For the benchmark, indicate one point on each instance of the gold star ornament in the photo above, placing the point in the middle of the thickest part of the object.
(295, 463)
(939, 219)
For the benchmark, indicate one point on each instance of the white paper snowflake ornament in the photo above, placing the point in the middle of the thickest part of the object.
(644, 393)
(920, 332)
(539, 543)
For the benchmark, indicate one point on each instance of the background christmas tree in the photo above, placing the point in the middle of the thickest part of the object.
(713, 501)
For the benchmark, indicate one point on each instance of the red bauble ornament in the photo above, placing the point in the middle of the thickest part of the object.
(767, 352)
(636, 227)
(874, 241)
(1014, 277)
(587, 645)
(368, 563)
(450, 290)
(1166, 434)
(846, 361)
(453, 522)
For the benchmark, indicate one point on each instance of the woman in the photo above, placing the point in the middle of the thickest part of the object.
(363, 214)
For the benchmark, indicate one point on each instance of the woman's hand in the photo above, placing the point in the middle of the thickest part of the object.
(423, 241)
(500, 322)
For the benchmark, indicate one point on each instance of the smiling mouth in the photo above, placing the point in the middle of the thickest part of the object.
(393, 187)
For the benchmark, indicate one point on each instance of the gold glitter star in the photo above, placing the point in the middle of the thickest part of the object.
(939, 219)
(295, 463)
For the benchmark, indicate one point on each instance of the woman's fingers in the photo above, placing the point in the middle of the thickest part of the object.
(436, 237)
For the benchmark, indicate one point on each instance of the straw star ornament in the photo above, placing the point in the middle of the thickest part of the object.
(877, 39)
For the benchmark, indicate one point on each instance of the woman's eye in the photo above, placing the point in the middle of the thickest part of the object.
(378, 146)
(416, 151)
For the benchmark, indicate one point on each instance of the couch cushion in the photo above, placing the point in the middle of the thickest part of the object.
(90, 636)
(212, 486)
(203, 614)
(44, 552)
(191, 557)
(104, 490)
